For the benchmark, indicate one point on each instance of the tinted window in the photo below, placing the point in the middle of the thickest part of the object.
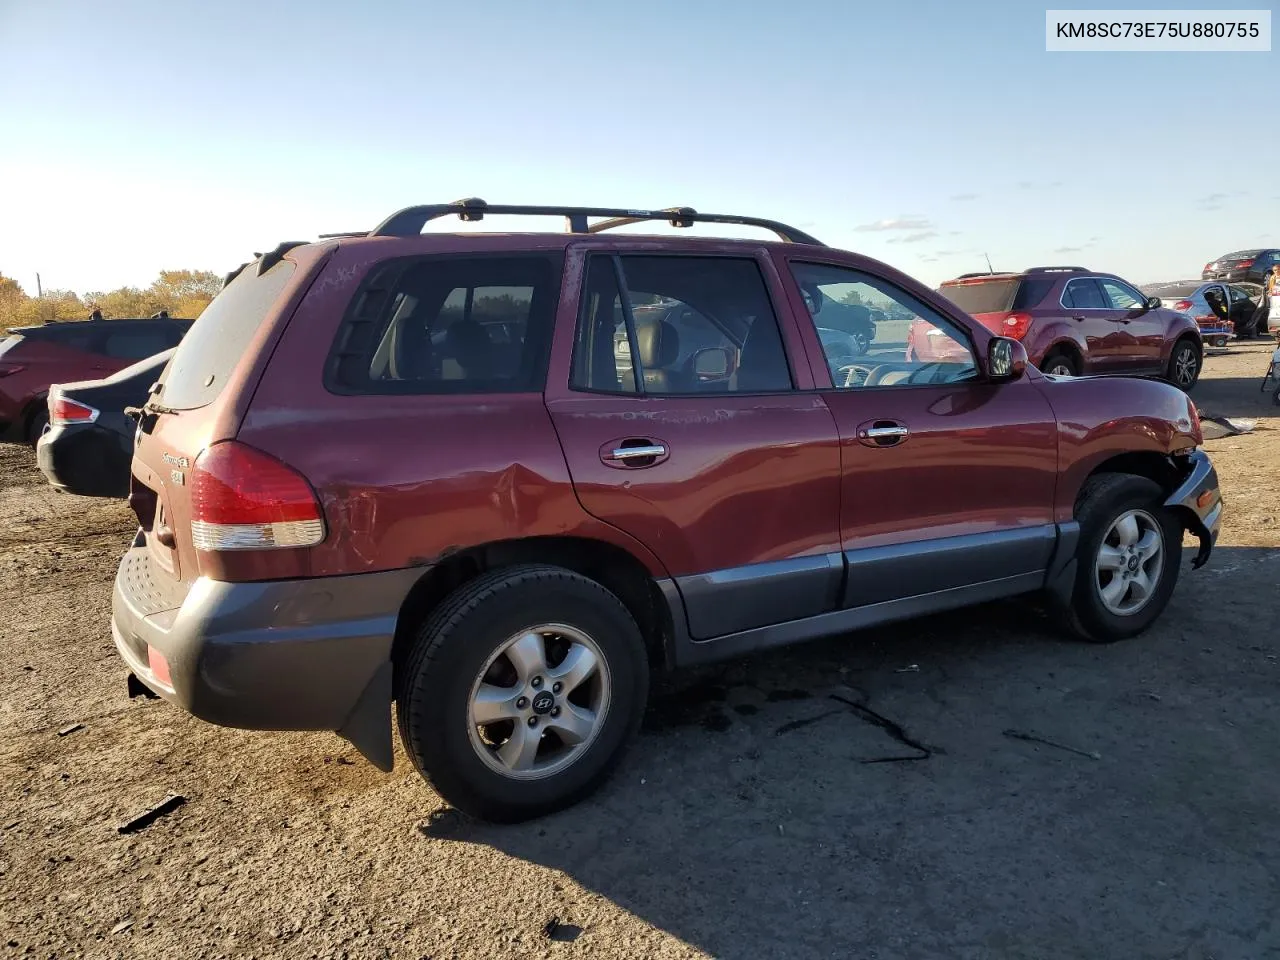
(922, 349)
(985, 296)
(1121, 296)
(1084, 294)
(137, 343)
(216, 341)
(1242, 292)
(449, 325)
(697, 325)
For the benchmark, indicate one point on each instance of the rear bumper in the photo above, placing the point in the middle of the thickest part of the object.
(282, 655)
(85, 459)
(1199, 500)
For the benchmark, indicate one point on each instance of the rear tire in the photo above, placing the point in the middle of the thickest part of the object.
(493, 649)
(1060, 364)
(1127, 559)
(1185, 362)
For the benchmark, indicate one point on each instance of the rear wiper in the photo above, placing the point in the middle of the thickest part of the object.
(151, 406)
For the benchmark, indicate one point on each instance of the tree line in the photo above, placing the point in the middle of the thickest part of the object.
(182, 293)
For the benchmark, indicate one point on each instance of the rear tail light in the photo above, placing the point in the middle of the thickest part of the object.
(1210, 266)
(1182, 306)
(243, 499)
(8, 369)
(1015, 325)
(62, 410)
(1241, 264)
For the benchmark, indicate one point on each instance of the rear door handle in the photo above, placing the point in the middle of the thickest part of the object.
(1079, 319)
(882, 433)
(638, 453)
(633, 453)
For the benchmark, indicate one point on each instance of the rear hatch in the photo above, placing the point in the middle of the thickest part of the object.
(197, 402)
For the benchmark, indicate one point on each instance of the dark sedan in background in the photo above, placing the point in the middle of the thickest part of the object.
(1251, 266)
(88, 445)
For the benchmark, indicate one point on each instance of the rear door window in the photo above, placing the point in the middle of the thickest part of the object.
(687, 325)
(1084, 293)
(211, 349)
(449, 325)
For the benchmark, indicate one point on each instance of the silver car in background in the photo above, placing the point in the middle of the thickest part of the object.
(1220, 308)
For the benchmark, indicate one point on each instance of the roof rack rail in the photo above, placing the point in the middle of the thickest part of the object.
(410, 221)
(1057, 270)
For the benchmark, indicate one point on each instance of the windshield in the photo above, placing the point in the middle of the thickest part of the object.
(1171, 289)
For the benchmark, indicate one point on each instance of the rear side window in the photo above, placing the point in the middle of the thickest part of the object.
(449, 325)
(137, 343)
(1084, 294)
(211, 349)
(678, 325)
(989, 296)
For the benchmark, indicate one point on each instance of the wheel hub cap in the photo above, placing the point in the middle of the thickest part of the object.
(539, 701)
(1129, 563)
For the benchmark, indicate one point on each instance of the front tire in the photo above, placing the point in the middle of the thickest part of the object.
(1127, 558)
(1184, 364)
(521, 692)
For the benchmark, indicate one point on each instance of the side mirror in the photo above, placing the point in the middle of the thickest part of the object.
(711, 364)
(1154, 303)
(1006, 360)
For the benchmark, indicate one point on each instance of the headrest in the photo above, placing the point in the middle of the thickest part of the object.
(658, 343)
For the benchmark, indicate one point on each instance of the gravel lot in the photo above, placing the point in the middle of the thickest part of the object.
(750, 820)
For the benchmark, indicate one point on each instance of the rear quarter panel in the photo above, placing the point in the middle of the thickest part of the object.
(46, 364)
(1103, 418)
(1050, 333)
(408, 480)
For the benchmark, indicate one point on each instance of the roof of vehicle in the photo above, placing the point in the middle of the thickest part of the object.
(409, 222)
(104, 322)
(1244, 253)
(971, 278)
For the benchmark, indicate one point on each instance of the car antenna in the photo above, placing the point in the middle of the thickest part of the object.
(988, 259)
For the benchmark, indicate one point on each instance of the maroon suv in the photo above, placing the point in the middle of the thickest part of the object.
(469, 474)
(1072, 321)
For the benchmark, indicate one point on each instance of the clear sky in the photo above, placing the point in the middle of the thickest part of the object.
(137, 135)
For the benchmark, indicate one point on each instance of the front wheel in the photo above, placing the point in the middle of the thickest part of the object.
(1127, 558)
(522, 691)
(1184, 365)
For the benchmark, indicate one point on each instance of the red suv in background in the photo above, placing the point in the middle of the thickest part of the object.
(34, 358)
(483, 477)
(1072, 322)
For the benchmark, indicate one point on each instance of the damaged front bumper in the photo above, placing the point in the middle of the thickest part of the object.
(1198, 501)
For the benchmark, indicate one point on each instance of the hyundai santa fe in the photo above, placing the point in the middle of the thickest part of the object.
(416, 469)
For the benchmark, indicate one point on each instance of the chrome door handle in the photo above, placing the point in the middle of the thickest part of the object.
(637, 453)
(882, 433)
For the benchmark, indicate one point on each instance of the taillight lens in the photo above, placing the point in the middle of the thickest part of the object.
(1015, 325)
(62, 410)
(1182, 306)
(1210, 266)
(244, 499)
(1241, 264)
(8, 369)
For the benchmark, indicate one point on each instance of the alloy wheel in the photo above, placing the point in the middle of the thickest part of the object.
(1185, 365)
(539, 701)
(1129, 563)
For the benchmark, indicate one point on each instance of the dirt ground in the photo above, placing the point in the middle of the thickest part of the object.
(751, 820)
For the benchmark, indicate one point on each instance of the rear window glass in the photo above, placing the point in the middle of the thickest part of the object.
(1240, 255)
(477, 324)
(138, 342)
(211, 349)
(989, 296)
